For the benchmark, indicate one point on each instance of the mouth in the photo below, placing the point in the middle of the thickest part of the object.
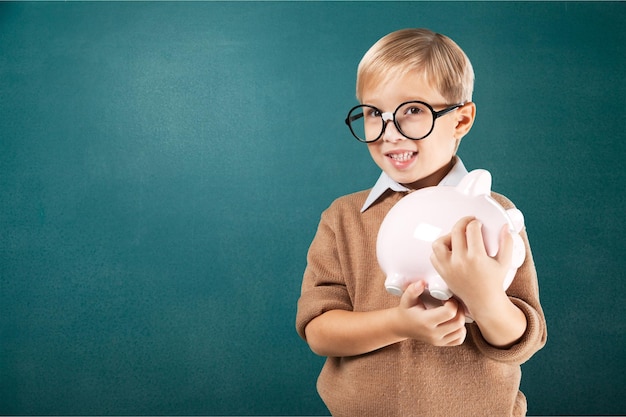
(401, 156)
(401, 159)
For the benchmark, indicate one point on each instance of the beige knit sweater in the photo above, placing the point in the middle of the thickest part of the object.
(409, 378)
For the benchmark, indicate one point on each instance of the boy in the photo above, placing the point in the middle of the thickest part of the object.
(390, 356)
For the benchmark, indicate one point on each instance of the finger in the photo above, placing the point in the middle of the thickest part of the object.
(441, 250)
(458, 234)
(453, 331)
(455, 306)
(444, 314)
(459, 312)
(456, 331)
(444, 242)
(410, 297)
(457, 337)
(474, 235)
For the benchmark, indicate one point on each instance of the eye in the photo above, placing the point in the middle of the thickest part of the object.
(371, 113)
(413, 110)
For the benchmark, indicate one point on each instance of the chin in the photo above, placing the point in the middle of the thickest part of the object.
(404, 178)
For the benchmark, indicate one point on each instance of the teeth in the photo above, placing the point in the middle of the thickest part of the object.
(401, 157)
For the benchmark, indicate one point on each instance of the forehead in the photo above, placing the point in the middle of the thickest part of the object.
(389, 90)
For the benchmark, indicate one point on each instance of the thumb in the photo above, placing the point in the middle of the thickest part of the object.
(410, 297)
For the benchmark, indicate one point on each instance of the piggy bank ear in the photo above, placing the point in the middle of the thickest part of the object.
(477, 182)
(517, 218)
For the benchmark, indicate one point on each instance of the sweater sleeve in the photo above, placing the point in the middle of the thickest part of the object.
(323, 288)
(524, 293)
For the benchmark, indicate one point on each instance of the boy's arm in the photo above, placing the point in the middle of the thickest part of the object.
(341, 333)
(477, 279)
(501, 323)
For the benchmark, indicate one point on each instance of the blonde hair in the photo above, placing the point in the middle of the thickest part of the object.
(435, 56)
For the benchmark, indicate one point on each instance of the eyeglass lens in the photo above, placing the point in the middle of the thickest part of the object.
(414, 120)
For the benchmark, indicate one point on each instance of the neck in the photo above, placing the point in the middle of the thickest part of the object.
(432, 179)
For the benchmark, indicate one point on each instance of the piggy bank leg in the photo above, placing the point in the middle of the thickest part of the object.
(442, 294)
(396, 284)
(438, 288)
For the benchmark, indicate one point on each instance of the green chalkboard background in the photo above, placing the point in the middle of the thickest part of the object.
(163, 167)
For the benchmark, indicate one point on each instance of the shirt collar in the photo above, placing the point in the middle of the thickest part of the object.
(385, 183)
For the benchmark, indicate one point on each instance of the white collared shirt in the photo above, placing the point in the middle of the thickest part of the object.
(385, 183)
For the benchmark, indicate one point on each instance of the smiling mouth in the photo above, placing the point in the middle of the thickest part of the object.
(402, 157)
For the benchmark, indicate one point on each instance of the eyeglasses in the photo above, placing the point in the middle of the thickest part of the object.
(414, 119)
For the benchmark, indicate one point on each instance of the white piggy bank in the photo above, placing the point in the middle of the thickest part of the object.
(405, 238)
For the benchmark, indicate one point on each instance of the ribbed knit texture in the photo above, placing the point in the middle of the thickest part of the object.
(409, 378)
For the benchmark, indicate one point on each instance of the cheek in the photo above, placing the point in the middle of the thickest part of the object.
(377, 156)
(374, 150)
(445, 142)
(440, 146)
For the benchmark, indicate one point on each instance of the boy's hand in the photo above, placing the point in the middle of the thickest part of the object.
(462, 261)
(440, 326)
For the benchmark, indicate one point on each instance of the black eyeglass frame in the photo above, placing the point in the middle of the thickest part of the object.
(436, 115)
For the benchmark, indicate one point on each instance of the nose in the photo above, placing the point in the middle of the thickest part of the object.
(390, 131)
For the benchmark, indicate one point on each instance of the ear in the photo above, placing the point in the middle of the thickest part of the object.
(465, 119)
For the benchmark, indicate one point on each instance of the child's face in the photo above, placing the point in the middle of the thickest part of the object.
(405, 160)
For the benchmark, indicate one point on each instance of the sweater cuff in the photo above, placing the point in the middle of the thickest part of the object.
(533, 339)
(317, 301)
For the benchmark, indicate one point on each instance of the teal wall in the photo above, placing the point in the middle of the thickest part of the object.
(163, 167)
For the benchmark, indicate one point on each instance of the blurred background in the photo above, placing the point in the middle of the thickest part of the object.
(163, 167)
